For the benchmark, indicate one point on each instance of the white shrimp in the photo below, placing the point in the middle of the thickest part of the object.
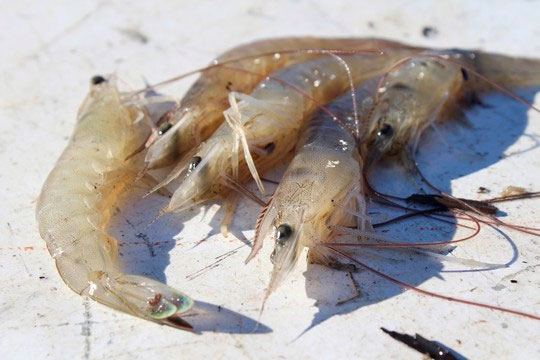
(75, 205)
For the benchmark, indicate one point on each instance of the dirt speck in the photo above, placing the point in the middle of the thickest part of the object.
(430, 32)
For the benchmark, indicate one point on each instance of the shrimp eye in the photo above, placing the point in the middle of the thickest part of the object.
(98, 79)
(385, 130)
(194, 162)
(283, 233)
(164, 128)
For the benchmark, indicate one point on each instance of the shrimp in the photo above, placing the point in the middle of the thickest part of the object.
(74, 209)
(430, 86)
(200, 111)
(268, 121)
(321, 188)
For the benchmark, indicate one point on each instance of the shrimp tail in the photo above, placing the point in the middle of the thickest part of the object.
(140, 296)
(508, 71)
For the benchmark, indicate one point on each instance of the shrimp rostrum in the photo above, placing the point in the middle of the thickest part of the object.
(74, 209)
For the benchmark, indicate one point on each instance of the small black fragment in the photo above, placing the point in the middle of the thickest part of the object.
(229, 86)
(98, 79)
(483, 190)
(513, 281)
(42, 277)
(400, 86)
(423, 345)
(465, 74)
(450, 203)
(429, 31)
(282, 233)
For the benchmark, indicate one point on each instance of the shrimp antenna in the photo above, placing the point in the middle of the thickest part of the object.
(389, 242)
(429, 293)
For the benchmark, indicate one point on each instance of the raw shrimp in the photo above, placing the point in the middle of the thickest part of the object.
(321, 188)
(430, 86)
(200, 111)
(75, 205)
(267, 122)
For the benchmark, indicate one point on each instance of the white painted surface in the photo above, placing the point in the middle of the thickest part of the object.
(51, 49)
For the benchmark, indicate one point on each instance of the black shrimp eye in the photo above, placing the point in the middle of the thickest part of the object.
(194, 162)
(164, 128)
(282, 234)
(98, 79)
(385, 130)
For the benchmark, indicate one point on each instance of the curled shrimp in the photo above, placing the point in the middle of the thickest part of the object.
(74, 209)
(264, 125)
(200, 111)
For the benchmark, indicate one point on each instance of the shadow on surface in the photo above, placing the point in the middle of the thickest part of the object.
(209, 317)
(463, 150)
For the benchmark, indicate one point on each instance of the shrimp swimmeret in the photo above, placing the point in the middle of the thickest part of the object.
(74, 209)
(267, 122)
(201, 110)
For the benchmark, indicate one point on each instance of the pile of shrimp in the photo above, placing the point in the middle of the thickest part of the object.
(330, 108)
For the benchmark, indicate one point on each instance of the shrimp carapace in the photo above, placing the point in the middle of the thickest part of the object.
(76, 202)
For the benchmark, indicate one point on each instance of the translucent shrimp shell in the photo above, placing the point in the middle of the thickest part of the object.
(74, 209)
